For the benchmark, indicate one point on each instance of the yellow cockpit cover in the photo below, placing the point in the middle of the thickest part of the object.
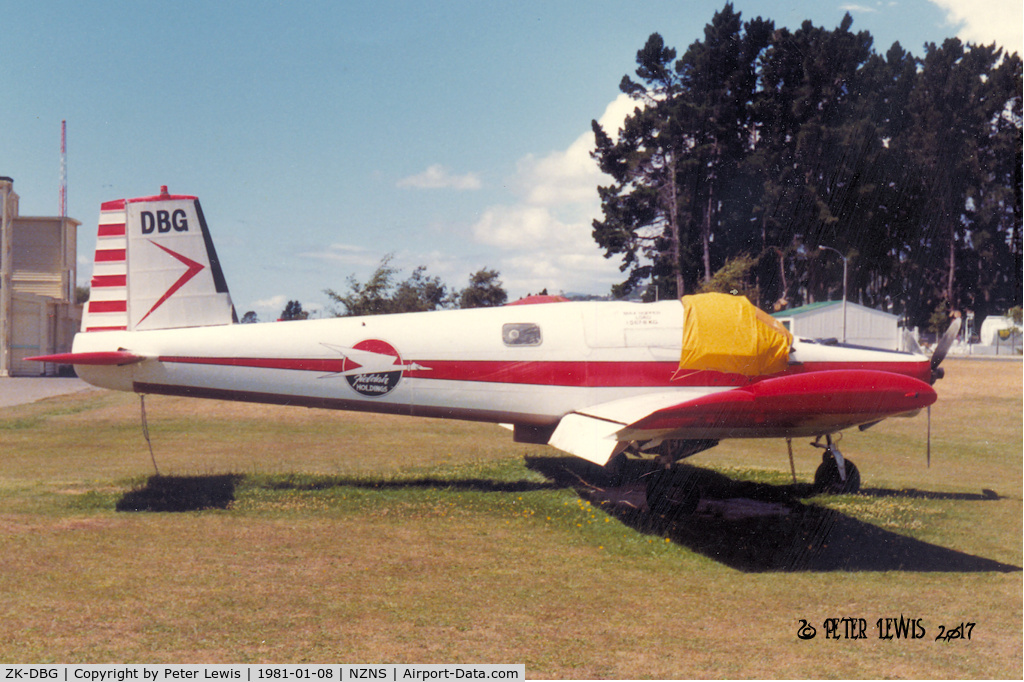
(727, 333)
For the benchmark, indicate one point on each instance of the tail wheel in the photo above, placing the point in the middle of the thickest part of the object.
(672, 492)
(828, 480)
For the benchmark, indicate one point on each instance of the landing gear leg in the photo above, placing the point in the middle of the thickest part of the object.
(836, 474)
(671, 491)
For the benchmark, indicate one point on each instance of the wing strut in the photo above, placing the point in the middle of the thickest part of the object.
(792, 467)
(145, 432)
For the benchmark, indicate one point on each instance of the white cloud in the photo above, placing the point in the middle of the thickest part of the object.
(274, 303)
(439, 177)
(525, 224)
(347, 254)
(268, 309)
(545, 236)
(558, 272)
(572, 176)
(540, 238)
(987, 21)
(857, 8)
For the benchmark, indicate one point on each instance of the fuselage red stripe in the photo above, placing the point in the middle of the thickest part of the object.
(560, 373)
(569, 373)
(332, 365)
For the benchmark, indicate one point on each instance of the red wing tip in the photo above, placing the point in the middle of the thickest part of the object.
(114, 357)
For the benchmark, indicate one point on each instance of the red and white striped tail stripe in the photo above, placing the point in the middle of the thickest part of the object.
(108, 299)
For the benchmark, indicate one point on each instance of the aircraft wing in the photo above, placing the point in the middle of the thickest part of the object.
(592, 433)
(796, 404)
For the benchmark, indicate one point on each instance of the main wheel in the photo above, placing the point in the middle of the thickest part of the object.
(827, 480)
(672, 492)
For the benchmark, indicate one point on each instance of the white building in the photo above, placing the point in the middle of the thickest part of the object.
(824, 320)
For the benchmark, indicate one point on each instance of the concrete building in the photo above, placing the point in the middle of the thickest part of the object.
(864, 326)
(38, 315)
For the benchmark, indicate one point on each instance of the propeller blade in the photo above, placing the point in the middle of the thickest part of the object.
(945, 343)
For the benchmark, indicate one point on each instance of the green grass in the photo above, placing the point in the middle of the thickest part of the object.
(338, 537)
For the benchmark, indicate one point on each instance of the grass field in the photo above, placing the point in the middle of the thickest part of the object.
(348, 538)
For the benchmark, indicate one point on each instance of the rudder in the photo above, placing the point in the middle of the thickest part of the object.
(155, 268)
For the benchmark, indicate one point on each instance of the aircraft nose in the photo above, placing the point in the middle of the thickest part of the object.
(916, 393)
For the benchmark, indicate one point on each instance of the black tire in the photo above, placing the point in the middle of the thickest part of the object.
(672, 492)
(826, 478)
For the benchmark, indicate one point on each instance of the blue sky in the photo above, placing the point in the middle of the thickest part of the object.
(321, 136)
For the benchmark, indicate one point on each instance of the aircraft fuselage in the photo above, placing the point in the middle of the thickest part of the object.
(525, 365)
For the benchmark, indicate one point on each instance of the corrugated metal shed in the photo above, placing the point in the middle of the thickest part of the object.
(864, 326)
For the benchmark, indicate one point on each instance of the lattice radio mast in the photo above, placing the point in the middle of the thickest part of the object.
(63, 170)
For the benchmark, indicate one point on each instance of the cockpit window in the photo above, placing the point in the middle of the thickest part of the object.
(520, 334)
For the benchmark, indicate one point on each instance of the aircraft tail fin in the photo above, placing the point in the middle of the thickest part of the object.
(155, 268)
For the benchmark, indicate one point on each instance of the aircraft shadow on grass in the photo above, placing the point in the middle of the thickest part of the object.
(757, 527)
(217, 491)
(181, 493)
(752, 527)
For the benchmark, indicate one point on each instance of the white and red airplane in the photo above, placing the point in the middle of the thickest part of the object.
(594, 379)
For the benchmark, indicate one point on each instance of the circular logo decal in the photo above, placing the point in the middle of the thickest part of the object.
(378, 379)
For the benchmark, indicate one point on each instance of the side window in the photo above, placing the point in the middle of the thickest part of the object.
(520, 334)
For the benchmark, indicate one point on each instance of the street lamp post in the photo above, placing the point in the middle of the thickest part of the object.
(829, 248)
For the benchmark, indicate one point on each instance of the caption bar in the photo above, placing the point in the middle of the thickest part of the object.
(386, 672)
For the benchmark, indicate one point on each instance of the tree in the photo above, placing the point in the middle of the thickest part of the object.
(951, 106)
(772, 142)
(734, 278)
(719, 79)
(992, 266)
(371, 298)
(292, 311)
(484, 291)
(419, 293)
(381, 295)
(641, 212)
(816, 150)
(249, 317)
(676, 164)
